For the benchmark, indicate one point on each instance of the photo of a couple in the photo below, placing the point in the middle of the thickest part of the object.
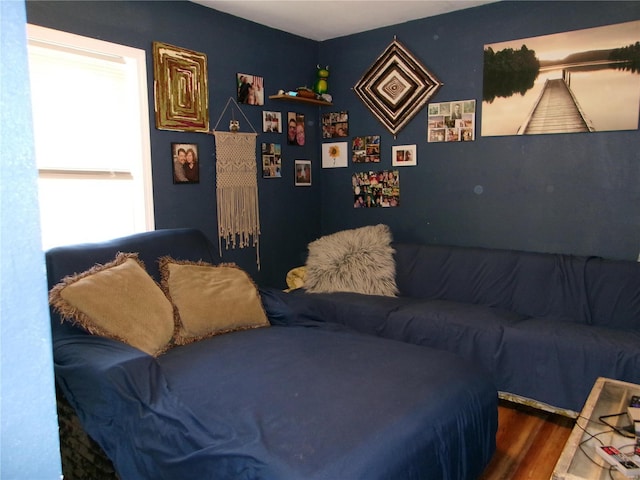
(250, 89)
(186, 168)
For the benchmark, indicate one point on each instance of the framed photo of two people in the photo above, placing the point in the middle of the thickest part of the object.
(186, 167)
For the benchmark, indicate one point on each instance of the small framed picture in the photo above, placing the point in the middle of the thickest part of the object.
(186, 167)
(404, 156)
(271, 160)
(272, 122)
(250, 89)
(335, 155)
(303, 173)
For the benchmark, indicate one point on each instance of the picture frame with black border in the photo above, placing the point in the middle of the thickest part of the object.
(186, 165)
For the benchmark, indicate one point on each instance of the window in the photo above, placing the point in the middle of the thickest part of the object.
(91, 135)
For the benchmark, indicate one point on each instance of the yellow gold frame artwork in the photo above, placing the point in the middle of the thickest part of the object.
(181, 90)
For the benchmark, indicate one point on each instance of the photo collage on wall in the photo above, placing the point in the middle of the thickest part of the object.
(366, 149)
(447, 122)
(335, 124)
(452, 121)
(271, 160)
(371, 189)
(250, 91)
(376, 189)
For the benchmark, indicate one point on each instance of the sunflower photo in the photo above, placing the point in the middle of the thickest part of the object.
(335, 155)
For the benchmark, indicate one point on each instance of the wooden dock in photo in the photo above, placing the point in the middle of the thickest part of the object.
(555, 111)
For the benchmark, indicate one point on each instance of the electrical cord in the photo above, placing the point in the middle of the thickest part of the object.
(592, 436)
(621, 431)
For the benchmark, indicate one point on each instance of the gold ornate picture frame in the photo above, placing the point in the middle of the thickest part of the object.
(181, 90)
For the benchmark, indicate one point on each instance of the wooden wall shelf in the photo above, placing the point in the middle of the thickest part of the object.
(290, 98)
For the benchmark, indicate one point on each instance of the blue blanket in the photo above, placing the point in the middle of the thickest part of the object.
(306, 402)
(282, 403)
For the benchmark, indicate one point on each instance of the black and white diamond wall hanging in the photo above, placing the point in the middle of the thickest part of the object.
(396, 87)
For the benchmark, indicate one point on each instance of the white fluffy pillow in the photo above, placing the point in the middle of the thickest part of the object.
(358, 260)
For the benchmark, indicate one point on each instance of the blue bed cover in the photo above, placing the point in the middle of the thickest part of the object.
(282, 403)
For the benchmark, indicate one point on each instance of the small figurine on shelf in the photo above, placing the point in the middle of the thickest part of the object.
(322, 84)
(305, 92)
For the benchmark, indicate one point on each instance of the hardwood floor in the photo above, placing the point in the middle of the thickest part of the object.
(528, 443)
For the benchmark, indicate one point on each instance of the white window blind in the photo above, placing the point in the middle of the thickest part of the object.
(91, 131)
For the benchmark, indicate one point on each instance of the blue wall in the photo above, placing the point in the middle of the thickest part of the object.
(576, 193)
(568, 193)
(289, 215)
(29, 447)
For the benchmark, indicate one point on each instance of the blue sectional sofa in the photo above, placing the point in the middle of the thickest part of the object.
(270, 402)
(544, 326)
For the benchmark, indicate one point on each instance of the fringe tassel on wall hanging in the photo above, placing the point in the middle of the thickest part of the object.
(237, 189)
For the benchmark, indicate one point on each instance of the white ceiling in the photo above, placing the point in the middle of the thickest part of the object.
(325, 19)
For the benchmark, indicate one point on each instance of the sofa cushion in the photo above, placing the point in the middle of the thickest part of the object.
(210, 299)
(118, 300)
(358, 260)
(475, 332)
(557, 362)
(363, 313)
(613, 289)
(533, 284)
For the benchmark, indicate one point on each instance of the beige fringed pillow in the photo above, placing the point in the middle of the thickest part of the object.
(358, 260)
(117, 300)
(210, 299)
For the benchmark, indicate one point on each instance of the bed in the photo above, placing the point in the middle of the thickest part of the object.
(311, 401)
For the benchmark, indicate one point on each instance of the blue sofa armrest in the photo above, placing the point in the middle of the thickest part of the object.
(298, 308)
(94, 370)
(120, 392)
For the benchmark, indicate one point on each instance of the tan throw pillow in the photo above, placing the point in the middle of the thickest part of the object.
(210, 299)
(358, 260)
(117, 300)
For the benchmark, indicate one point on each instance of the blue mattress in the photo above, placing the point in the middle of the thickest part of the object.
(282, 403)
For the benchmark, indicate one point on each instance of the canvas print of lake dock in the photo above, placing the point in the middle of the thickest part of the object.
(570, 82)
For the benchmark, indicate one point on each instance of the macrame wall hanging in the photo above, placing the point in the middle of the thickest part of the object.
(237, 186)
